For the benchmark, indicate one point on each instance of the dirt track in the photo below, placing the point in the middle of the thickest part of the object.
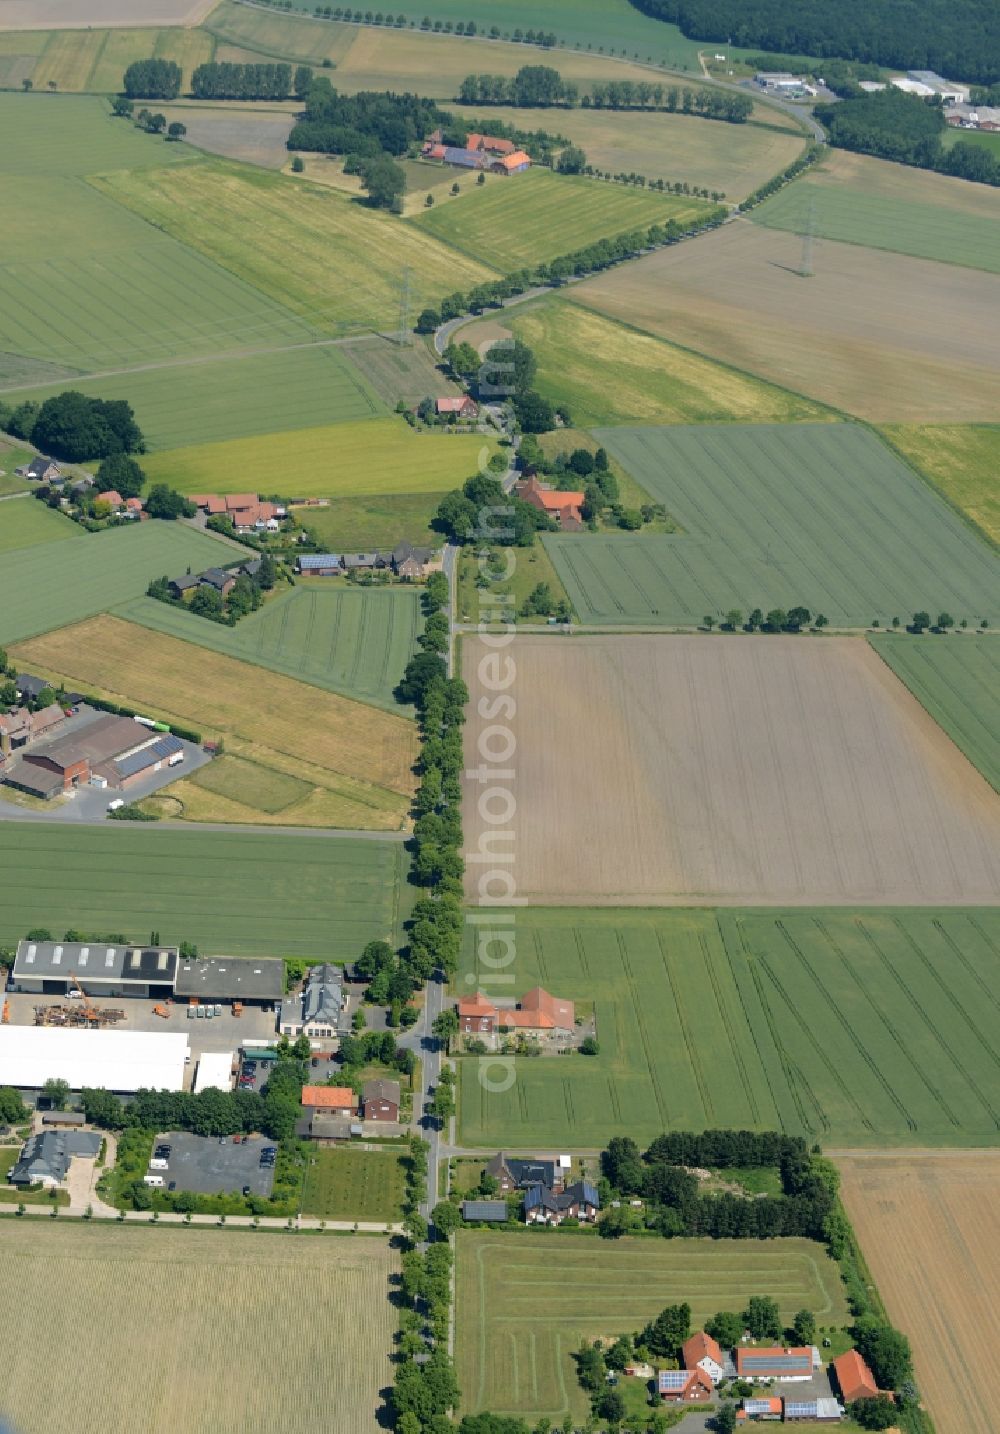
(929, 1226)
(684, 770)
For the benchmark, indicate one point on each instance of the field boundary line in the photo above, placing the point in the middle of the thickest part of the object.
(929, 482)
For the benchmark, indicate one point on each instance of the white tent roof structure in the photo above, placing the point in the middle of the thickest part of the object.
(114, 1060)
(215, 1071)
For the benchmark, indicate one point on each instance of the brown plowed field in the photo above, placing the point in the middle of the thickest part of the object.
(929, 1226)
(889, 338)
(703, 770)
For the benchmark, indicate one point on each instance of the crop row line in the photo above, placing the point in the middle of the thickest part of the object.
(751, 1026)
(734, 1047)
(948, 994)
(690, 1044)
(654, 1078)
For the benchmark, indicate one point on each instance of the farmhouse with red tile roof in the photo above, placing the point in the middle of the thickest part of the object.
(854, 1378)
(461, 407)
(701, 1351)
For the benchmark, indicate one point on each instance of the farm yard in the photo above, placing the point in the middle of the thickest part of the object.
(608, 373)
(962, 461)
(850, 1027)
(929, 1228)
(217, 399)
(768, 769)
(349, 260)
(358, 754)
(349, 1184)
(519, 1314)
(959, 684)
(886, 337)
(25, 523)
(234, 892)
(538, 216)
(822, 515)
(351, 640)
(58, 582)
(372, 456)
(202, 1371)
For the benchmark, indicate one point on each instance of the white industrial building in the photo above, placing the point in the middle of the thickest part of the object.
(123, 1061)
(215, 1071)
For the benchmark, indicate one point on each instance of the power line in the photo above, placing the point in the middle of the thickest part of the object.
(806, 269)
(405, 336)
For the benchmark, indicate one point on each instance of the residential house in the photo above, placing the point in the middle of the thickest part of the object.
(512, 1174)
(514, 163)
(45, 1158)
(461, 407)
(542, 1206)
(364, 562)
(133, 508)
(684, 1386)
(218, 578)
(774, 1362)
(41, 470)
(487, 1212)
(434, 150)
(29, 687)
(854, 1379)
(331, 1099)
(318, 1010)
(490, 143)
(537, 1012)
(320, 565)
(701, 1351)
(410, 562)
(113, 498)
(380, 1100)
(180, 586)
(565, 507)
(476, 1016)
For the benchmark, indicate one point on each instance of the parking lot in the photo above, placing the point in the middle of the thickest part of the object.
(209, 1166)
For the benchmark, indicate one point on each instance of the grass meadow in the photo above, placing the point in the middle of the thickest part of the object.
(323, 257)
(874, 1027)
(823, 515)
(202, 1373)
(349, 1184)
(373, 457)
(608, 373)
(961, 460)
(958, 681)
(358, 756)
(521, 1310)
(235, 892)
(362, 522)
(351, 640)
(54, 583)
(214, 400)
(13, 455)
(24, 522)
(539, 215)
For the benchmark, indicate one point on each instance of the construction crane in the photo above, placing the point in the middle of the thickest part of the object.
(88, 1010)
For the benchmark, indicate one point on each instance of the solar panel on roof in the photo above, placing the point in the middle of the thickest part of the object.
(673, 1378)
(800, 1409)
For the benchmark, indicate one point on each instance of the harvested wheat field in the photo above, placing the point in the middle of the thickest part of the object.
(887, 337)
(929, 1227)
(682, 770)
(100, 14)
(205, 1331)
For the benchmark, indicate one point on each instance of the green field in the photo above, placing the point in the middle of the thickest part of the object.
(963, 460)
(986, 139)
(232, 893)
(522, 1310)
(251, 784)
(379, 455)
(57, 583)
(94, 59)
(347, 1184)
(926, 231)
(351, 640)
(821, 515)
(320, 255)
(214, 400)
(539, 215)
(608, 373)
(958, 681)
(875, 1027)
(362, 522)
(24, 522)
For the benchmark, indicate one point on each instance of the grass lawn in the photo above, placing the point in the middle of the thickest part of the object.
(381, 455)
(872, 1027)
(64, 581)
(539, 215)
(958, 680)
(360, 754)
(962, 460)
(360, 523)
(24, 522)
(346, 639)
(521, 1309)
(251, 783)
(335, 263)
(771, 516)
(241, 893)
(219, 399)
(608, 373)
(349, 1184)
(14, 1194)
(533, 566)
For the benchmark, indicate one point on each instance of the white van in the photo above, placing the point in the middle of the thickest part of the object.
(156, 1180)
(118, 802)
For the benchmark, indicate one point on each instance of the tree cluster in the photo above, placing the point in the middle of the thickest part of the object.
(955, 37)
(218, 80)
(152, 80)
(708, 102)
(533, 87)
(907, 129)
(368, 123)
(73, 427)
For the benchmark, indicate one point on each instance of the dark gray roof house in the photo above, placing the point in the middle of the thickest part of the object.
(239, 978)
(217, 578)
(45, 1158)
(186, 583)
(580, 1197)
(490, 1212)
(513, 1174)
(323, 997)
(30, 686)
(40, 468)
